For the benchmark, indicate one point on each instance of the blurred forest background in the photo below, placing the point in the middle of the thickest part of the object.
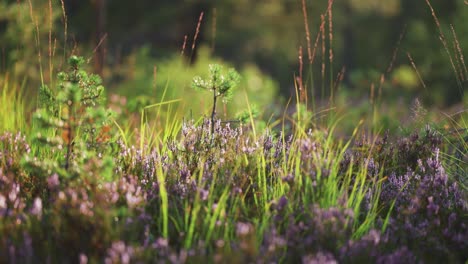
(137, 46)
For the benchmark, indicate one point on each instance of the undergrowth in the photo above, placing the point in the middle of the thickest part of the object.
(215, 191)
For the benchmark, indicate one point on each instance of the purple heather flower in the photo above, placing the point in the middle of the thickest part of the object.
(3, 203)
(119, 253)
(237, 190)
(15, 189)
(243, 229)
(268, 143)
(401, 256)
(421, 166)
(53, 181)
(161, 243)
(83, 258)
(37, 207)
(204, 194)
(372, 167)
(288, 178)
(432, 208)
(319, 258)
(282, 203)
(434, 162)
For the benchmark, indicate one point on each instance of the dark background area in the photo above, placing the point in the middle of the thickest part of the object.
(268, 34)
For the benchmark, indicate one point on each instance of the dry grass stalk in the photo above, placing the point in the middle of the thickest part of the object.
(311, 61)
(183, 46)
(321, 28)
(65, 28)
(339, 78)
(330, 30)
(155, 71)
(100, 43)
(444, 41)
(75, 45)
(458, 63)
(50, 28)
(50, 41)
(330, 47)
(300, 62)
(38, 41)
(299, 80)
(392, 61)
(395, 51)
(306, 24)
(382, 81)
(322, 31)
(55, 47)
(460, 53)
(197, 31)
(213, 30)
(416, 69)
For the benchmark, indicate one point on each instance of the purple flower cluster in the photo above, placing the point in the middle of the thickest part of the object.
(12, 148)
(430, 212)
(307, 235)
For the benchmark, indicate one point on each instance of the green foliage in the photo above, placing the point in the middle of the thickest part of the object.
(72, 124)
(245, 115)
(12, 107)
(47, 100)
(405, 77)
(221, 85)
(138, 103)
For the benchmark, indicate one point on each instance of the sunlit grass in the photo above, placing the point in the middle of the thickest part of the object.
(13, 111)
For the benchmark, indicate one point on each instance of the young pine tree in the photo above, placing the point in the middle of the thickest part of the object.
(220, 84)
(72, 124)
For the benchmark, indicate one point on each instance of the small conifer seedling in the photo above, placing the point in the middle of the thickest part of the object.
(220, 84)
(72, 121)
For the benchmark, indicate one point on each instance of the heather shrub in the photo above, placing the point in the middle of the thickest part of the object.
(374, 248)
(421, 206)
(233, 196)
(12, 149)
(310, 231)
(429, 213)
(20, 200)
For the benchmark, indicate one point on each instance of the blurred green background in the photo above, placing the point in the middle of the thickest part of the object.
(137, 47)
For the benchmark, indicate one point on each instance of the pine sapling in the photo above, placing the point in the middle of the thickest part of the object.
(220, 84)
(71, 120)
